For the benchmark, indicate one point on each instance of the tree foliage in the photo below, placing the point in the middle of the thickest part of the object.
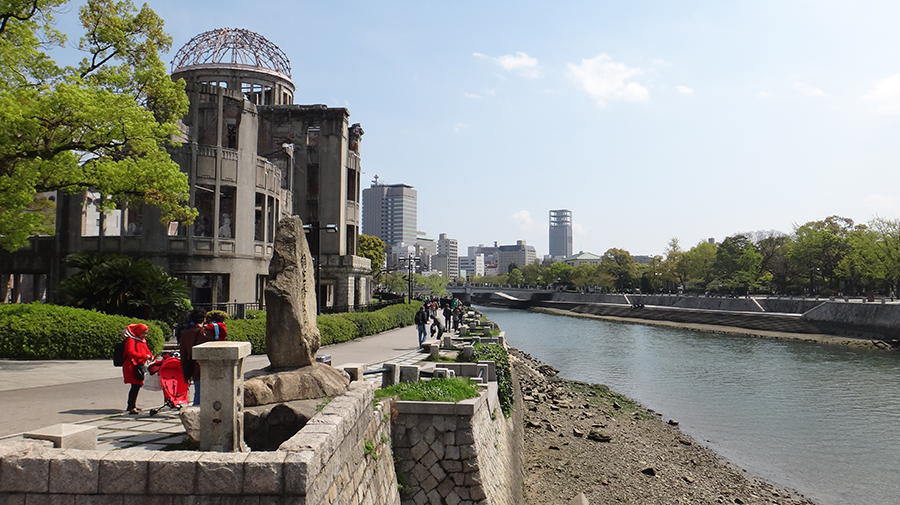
(373, 248)
(102, 124)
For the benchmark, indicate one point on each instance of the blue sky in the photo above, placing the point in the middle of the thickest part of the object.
(648, 120)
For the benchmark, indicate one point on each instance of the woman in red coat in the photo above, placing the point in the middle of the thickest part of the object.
(136, 354)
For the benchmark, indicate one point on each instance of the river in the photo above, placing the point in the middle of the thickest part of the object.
(824, 420)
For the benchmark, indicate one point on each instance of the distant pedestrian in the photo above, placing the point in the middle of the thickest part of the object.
(194, 335)
(216, 326)
(421, 321)
(136, 354)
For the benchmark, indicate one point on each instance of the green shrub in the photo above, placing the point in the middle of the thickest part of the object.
(249, 330)
(334, 328)
(497, 353)
(40, 331)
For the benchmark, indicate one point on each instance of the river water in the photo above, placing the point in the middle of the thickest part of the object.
(824, 420)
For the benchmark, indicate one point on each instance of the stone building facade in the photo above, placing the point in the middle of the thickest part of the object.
(252, 157)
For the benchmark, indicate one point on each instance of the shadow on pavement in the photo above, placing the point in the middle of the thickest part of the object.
(100, 412)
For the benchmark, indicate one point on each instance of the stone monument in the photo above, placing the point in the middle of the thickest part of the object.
(292, 336)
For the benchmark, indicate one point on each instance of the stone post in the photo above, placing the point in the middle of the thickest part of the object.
(222, 395)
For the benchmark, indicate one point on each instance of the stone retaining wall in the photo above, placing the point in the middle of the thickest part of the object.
(463, 454)
(326, 462)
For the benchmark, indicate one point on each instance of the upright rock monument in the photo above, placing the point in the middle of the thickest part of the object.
(292, 336)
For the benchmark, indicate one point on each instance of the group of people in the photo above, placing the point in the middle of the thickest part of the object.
(198, 329)
(449, 309)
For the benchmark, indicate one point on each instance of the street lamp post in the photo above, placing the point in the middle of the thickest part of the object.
(317, 228)
(409, 265)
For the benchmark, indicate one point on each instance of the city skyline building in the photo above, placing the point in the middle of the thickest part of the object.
(449, 247)
(390, 212)
(560, 233)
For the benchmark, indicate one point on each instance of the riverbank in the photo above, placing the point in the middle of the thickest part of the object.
(820, 338)
(582, 438)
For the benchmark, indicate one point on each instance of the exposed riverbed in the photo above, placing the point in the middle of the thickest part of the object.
(818, 418)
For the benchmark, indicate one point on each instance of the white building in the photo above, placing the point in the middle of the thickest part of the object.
(448, 247)
(390, 213)
(472, 265)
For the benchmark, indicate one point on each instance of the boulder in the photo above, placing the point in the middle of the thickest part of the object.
(262, 387)
(190, 419)
(268, 426)
(292, 337)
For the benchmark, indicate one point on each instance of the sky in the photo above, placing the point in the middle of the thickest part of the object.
(649, 120)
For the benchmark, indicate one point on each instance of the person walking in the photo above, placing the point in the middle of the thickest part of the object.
(216, 326)
(136, 353)
(195, 334)
(421, 322)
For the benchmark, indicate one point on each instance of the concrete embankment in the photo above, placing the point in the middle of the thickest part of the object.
(868, 322)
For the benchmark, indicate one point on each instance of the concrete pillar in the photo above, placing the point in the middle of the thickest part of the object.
(409, 373)
(447, 342)
(468, 352)
(355, 371)
(391, 374)
(222, 395)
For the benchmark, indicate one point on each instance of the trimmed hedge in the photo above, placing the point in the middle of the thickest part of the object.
(334, 328)
(40, 331)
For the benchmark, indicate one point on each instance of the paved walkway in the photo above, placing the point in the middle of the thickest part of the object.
(35, 394)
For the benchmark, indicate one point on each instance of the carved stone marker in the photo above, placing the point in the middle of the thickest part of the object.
(292, 337)
(222, 397)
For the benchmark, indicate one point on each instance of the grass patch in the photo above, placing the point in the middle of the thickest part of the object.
(435, 390)
(497, 353)
(440, 359)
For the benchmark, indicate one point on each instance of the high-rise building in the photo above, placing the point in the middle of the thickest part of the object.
(448, 247)
(389, 212)
(560, 233)
(520, 255)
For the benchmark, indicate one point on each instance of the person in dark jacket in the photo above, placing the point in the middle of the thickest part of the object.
(137, 352)
(196, 334)
(421, 321)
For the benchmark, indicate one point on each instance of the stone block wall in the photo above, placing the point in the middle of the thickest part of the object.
(327, 462)
(461, 454)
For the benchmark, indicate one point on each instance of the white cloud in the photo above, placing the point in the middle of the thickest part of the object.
(522, 220)
(471, 95)
(886, 95)
(460, 127)
(882, 205)
(520, 62)
(606, 80)
(810, 91)
(764, 94)
(684, 89)
(661, 63)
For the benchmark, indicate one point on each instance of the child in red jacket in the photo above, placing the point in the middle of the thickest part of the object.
(216, 327)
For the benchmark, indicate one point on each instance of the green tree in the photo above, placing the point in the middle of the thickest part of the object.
(817, 249)
(773, 246)
(618, 264)
(436, 284)
(103, 124)
(373, 248)
(887, 249)
(122, 285)
(697, 264)
(738, 264)
(515, 277)
(558, 272)
(532, 273)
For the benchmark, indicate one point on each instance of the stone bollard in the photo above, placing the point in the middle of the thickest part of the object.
(409, 373)
(355, 371)
(440, 373)
(476, 340)
(468, 352)
(447, 342)
(391, 374)
(463, 331)
(222, 396)
(434, 350)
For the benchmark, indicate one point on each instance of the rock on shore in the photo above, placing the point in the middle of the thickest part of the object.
(582, 438)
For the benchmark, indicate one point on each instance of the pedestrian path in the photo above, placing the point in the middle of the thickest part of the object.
(27, 385)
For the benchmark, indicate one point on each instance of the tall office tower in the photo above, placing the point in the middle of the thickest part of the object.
(449, 248)
(389, 212)
(560, 233)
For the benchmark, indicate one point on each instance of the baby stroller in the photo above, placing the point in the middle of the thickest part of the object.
(171, 380)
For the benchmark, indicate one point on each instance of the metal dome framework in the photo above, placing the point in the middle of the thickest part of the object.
(232, 46)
